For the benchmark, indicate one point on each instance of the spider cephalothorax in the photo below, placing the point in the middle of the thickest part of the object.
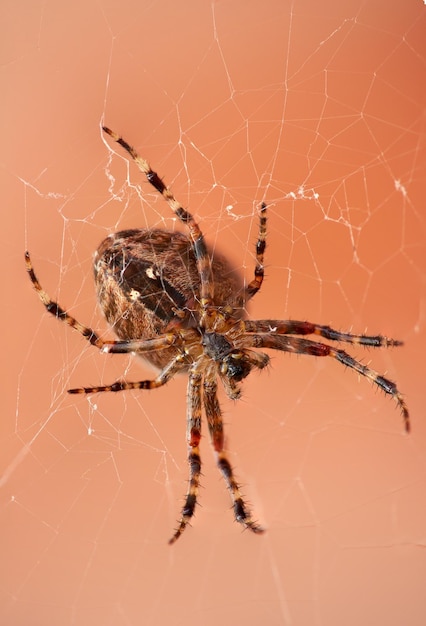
(172, 301)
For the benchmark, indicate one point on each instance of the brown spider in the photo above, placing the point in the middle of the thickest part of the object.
(173, 302)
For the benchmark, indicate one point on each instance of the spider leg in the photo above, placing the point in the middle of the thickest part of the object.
(295, 327)
(197, 238)
(141, 345)
(55, 309)
(215, 425)
(157, 343)
(194, 459)
(259, 271)
(163, 377)
(313, 348)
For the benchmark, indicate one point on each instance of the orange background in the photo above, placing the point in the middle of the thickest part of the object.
(316, 108)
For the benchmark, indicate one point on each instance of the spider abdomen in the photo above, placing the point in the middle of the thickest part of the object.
(147, 283)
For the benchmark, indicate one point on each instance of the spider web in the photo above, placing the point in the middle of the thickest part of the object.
(317, 109)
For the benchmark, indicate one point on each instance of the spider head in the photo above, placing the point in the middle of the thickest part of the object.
(236, 366)
(232, 363)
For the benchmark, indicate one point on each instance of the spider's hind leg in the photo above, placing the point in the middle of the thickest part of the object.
(174, 366)
(57, 311)
(259, 271)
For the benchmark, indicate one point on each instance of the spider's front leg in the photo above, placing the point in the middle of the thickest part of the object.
(299, 345)
(297, 327)
(194, 459)
(215, 424)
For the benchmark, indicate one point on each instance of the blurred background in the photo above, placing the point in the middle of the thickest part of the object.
(318, 109)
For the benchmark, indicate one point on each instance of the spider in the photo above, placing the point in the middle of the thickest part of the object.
(172, 301)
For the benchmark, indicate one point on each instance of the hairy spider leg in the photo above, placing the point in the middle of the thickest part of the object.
(298, 345)
(259, 271)
(163, 377)
(215, 425)
(193, 439)
(57, 311)
(295, 327)
(157, 343)
(196, 236)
